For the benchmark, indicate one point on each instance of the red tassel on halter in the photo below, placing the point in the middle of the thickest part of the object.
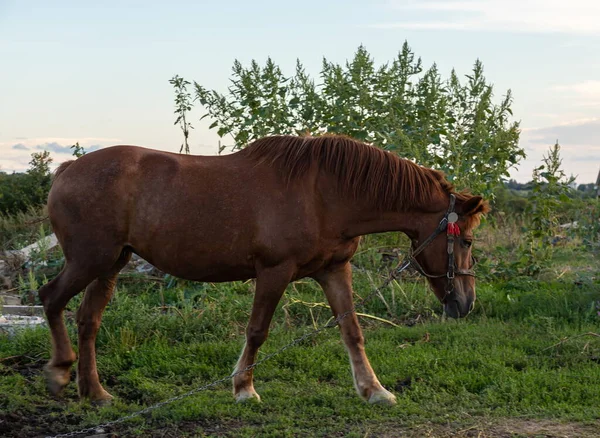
(453, 229)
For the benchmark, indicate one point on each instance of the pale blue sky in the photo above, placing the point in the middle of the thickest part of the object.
(97, 72)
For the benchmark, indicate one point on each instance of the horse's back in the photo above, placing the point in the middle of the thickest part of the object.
(124, 173)
(183, 212)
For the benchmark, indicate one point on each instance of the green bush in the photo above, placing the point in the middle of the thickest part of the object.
(398, 106)
(21, 191)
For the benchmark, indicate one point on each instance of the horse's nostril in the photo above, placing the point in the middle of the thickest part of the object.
(451, 308)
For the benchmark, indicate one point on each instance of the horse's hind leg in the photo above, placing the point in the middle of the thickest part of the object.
(337, 284)
(54, 296)
(97, 295)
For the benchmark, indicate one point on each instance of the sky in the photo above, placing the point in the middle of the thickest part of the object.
(98, 73)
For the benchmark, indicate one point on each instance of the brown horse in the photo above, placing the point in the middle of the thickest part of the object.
(282, 209)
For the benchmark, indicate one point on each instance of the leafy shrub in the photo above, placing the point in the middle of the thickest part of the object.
(399, 106)
(21, 191)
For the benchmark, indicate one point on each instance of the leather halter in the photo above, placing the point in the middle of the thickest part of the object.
(452, 268)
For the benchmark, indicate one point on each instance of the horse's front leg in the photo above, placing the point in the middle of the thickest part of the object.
(270, 285)
(337, 284)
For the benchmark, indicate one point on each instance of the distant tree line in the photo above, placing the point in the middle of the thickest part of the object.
(585, 189)
(20, 191)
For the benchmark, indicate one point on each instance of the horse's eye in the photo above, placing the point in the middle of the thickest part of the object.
(467, 243)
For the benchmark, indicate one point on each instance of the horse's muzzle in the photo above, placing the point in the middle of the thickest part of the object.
(456, 308)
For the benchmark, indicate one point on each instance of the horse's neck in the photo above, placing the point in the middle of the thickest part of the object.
(366, 220)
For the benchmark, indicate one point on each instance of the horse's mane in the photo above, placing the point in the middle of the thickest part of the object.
(362, 170)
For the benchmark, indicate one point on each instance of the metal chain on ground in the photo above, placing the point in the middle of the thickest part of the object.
(94, 430)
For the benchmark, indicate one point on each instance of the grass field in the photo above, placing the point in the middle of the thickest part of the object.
(525, 363)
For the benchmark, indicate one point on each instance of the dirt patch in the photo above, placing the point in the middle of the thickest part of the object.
(195, 428)
(501, 428)
(48, 422)
(40, 423)
(544, 428)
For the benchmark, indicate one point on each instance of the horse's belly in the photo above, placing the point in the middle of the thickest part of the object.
(204, 267)
(221, 275)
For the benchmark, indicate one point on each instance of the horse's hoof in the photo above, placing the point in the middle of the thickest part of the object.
(245, 396)
(56, 379)
(382, 397)
(102, 402)
(98, 397)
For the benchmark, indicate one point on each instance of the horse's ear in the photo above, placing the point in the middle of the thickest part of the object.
(474, 206)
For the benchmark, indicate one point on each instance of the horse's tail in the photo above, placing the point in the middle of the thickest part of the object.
(61, 169)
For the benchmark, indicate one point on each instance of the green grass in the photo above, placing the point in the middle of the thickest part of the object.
(523, 354)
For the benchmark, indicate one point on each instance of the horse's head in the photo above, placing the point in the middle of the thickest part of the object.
(443, 253)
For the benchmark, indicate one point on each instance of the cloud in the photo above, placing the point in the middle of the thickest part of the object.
(65, 149)
(16, 157)
(580, 148)
(587, 92)
(54, 147)
(576, 132)
(587, 157)
(524, 16)
(572, 44)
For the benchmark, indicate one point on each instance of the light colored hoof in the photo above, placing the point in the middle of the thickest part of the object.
(56, 379)
(246, 396)
(383, 397)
